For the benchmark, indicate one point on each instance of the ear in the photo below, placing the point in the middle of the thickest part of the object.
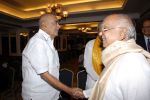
(123, 34)
(43, 24)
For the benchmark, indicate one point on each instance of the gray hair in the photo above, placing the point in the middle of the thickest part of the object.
(125, 21)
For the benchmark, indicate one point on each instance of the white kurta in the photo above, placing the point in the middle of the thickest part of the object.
(38, 57)
(92, 76)
(129, 79)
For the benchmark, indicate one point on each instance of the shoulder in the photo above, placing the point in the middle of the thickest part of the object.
(35, 43)
(132, 58)
(132, 71)
(130, 66)
(130, 61)
(90, 43)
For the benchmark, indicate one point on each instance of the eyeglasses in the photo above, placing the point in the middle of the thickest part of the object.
(108, 29)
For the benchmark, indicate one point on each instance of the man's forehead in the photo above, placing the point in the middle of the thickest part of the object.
(113, 20)
(108, 23)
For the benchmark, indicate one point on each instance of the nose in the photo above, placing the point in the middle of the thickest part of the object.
(100, 33)
(58, 25)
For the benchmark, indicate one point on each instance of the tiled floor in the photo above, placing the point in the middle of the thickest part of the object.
(15, 93)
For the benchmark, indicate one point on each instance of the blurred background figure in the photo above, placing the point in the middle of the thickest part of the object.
(92, 64)
(5, 65)
(144, 38)
(81, 59)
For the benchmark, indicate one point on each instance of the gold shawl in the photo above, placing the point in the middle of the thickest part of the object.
(109, 57)
(96, 56)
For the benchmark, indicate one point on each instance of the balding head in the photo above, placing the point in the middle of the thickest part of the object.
(122, 20)
(44, 18)
(49, 24)
(116, 27)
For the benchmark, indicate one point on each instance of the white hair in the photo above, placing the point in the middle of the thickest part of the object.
(125, 21)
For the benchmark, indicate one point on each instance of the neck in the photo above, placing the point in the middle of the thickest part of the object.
(45, 30)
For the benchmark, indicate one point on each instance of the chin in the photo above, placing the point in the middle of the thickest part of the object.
(104, 45)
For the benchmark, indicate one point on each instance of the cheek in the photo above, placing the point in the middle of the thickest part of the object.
(106, 40)
(54, 29)
(112, 39)
(109, 38)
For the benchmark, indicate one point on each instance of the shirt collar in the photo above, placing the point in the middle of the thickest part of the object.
(146, 37)
(46, 36)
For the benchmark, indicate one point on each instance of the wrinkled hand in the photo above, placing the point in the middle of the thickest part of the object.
(77, 93)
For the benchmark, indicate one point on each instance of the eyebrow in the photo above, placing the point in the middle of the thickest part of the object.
(106, 26)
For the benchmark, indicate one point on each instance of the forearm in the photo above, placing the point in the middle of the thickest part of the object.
(55, 82)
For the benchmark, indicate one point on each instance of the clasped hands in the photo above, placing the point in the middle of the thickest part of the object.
(77, 93)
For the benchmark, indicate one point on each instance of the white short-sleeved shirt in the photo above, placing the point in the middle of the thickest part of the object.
(92, 76)
(38, 57)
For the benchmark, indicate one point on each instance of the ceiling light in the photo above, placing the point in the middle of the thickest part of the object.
(84, 29)
(24, 34)
(57, 10)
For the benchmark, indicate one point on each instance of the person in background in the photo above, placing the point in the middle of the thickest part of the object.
(144, 39)
(92, 64)
(81, 59)
(40, 64)
(5, 65)
(126, 75)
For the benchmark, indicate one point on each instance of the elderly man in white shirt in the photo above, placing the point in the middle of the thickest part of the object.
(40, 64)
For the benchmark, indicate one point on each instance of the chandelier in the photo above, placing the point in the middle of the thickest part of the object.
(57, 10)
(25, 34)
(87, 29)
(84, 29)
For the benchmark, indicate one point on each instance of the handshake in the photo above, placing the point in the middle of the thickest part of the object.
(77, 93)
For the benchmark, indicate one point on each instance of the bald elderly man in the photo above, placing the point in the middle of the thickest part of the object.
(40, 64)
